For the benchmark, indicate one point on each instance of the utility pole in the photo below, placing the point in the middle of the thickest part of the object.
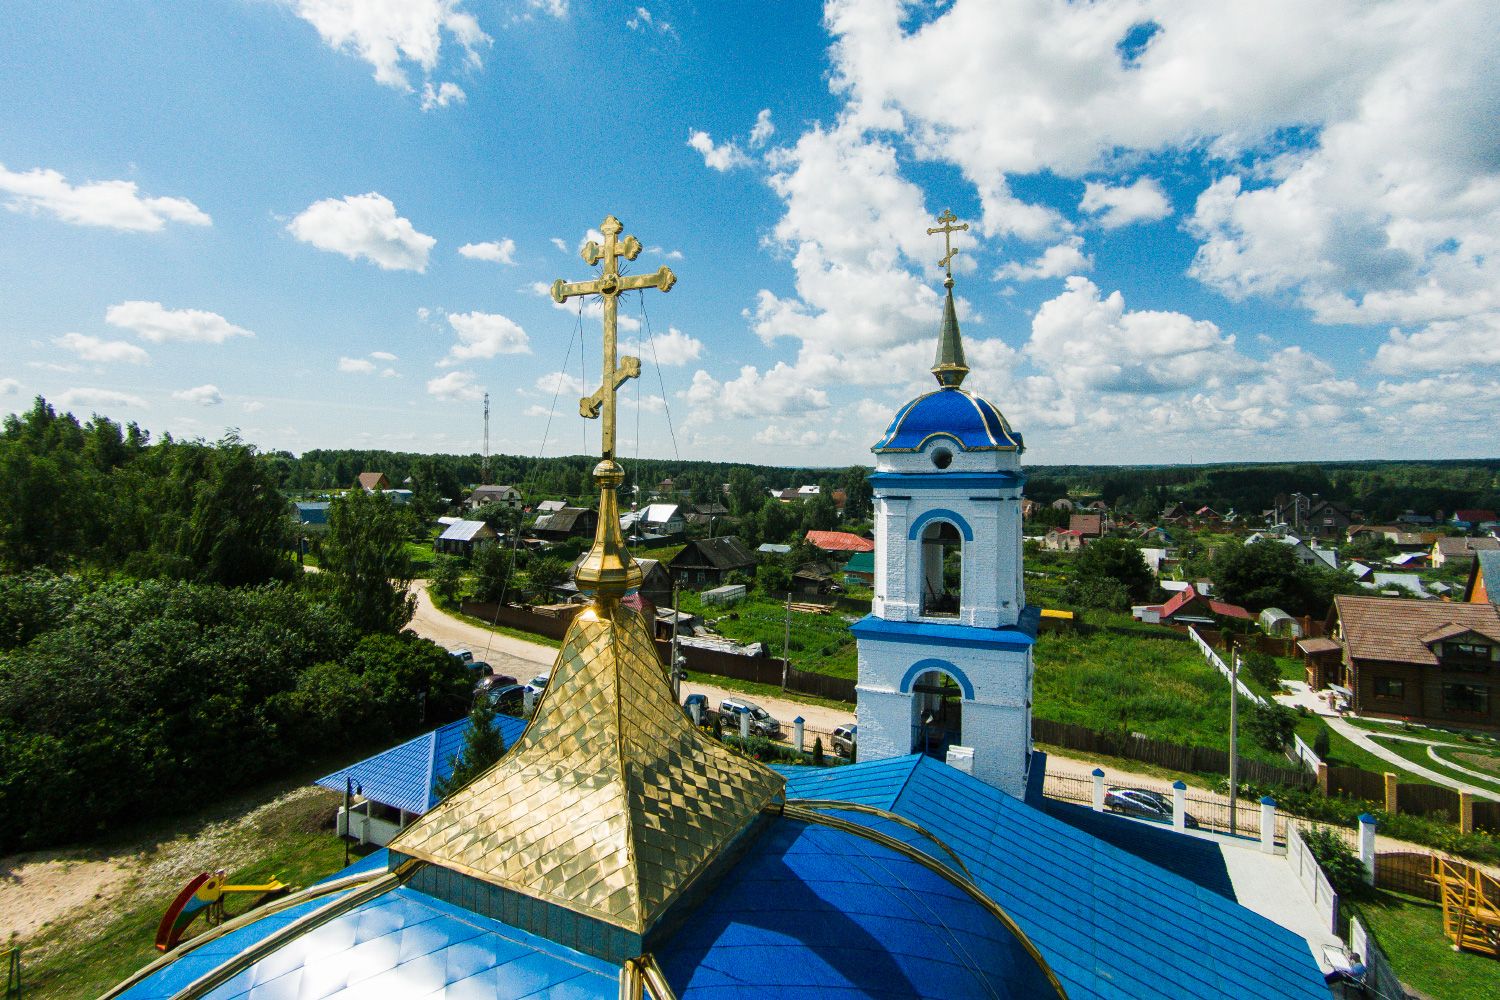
(484, 467)
(1234, 720)
(786, 642)
(676, 673)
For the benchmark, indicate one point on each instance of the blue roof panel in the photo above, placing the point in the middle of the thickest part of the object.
(406, 776)
(1109, 923)
(970, 421)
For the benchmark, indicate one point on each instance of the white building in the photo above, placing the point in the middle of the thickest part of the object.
(945, 655)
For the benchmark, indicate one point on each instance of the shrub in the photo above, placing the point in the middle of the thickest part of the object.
(1321, 745)
(1344, 869)
(1262, 669)
(817, 756)
(1271, 726)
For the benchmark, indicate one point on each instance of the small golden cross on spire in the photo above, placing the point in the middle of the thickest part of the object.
(948, 229)
(607, 569)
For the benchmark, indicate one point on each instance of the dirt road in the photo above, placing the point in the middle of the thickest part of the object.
(523, 660)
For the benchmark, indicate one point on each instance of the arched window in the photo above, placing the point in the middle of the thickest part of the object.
(942, 570)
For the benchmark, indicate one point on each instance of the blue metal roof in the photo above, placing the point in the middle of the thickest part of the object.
(971, 421)
(405, 776)
(1021, 635)
(814, 911)
(1108, 923)
(400, 944)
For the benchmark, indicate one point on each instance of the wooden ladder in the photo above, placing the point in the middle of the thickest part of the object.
(1471, 906)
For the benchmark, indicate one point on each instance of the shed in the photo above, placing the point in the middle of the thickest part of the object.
(569, 522)
(706, 562)
(462, 538)
(1278, 622)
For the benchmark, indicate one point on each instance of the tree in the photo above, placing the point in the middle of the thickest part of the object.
(1119, 560)
(858, 493)
(820, 514)
(544, 574)
(446, 576)
(745, 491)
(1321, 743)
(1267, 574)
(365, 558)
(494, 568)
(1261, 667)
(1102, 593)
(483, 746)
(1272, 726)
(777, 521)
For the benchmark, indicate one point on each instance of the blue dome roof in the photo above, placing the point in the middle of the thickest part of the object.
(973, 422)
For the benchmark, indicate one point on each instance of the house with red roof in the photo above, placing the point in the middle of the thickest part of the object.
(839, 541)
(1189, 607)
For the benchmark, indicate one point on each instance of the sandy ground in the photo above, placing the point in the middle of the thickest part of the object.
(71, 886)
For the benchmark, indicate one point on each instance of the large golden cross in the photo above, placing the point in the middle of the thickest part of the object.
(609, 285)
(947, 229)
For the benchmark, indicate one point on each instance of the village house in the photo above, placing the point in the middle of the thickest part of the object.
(464, 538)
(662, 519)
(1063, 503)
(507, 496)
(1029, 508)
(1088, 526)
(1472, 520)
(839, 542)
(707, 562)
(1461, 549)
(1484, 579)
(568, 522)
(1063, 540)
(860, 569)
(373, 482)
(1398, 535)
(1189, 607)
(1427, 661)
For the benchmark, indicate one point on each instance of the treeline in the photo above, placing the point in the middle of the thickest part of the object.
(124, 699)
(1381, 490)
(105, 496)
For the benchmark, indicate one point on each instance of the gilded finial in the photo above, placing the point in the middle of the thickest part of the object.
(608, 570)
(950, 366)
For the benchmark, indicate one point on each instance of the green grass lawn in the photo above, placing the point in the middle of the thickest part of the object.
(820, 643)
(1410, 932)
(1341, 752)
(1159, 687)
(1417, 754)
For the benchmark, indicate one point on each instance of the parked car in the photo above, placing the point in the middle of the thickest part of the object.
(480, 668)
(844, 740)
(538, 684)
(493, 681)
(508, 699)
(762, 723)
(701, 700)
(462, 655)
(1145, 804)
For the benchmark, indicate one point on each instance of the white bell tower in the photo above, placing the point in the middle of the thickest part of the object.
(945, 662)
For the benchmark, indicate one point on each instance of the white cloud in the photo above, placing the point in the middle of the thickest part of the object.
(103, 351)
(643, 20)
(9, 386)
(1057, 261)
(442, 95)
(671, 348)
(780, 391)
(253, 406)
(552, 8)
(1119, 206)
(763, 129)
(720, 158)
(455, 386)
(781, 436)
(484, 335)
(96, 398)
(356, 366)
(110, 204)
(1444, 346)
(560, 384)
(423, 313)
(365, 226)
(495, 251)
(669, 254)
(382, 356)
(561, 246)
(389, 373)
(202, 395)
(154, 322)
(394, 37)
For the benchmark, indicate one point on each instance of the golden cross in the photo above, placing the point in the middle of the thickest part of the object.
(948, 229)
(610, 284)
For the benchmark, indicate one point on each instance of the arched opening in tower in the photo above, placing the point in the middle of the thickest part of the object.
(942, 570)
(936, 714)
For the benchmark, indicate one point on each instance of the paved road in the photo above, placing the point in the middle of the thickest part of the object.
(522, 659)
(1361, 738)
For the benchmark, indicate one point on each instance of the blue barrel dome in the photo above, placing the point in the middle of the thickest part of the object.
(972, 421)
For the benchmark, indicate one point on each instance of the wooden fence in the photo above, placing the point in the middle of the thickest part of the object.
(1175, 756)
(1427, 800)
(1355, 783)
(1486, 815)
(1406, 871)
(551, 621)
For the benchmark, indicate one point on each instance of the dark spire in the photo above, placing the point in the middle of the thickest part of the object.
(950, 367)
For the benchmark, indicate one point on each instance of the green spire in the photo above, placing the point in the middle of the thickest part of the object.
(950, 367)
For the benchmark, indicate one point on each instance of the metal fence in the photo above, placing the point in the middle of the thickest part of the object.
(1313, 879)
(1209, 810)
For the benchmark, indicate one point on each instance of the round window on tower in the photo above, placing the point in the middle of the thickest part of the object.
(942, 458)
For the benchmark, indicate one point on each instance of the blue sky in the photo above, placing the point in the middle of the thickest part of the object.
(1198, 232)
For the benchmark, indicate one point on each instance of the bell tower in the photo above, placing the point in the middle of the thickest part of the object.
(945, 661)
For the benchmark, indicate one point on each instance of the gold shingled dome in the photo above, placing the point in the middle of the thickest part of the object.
(611, 802)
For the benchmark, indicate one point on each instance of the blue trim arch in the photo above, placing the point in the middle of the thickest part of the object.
(922, 666)
(943, 514)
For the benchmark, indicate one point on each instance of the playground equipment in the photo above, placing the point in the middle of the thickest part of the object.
(204, 894)
(1471, 906)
